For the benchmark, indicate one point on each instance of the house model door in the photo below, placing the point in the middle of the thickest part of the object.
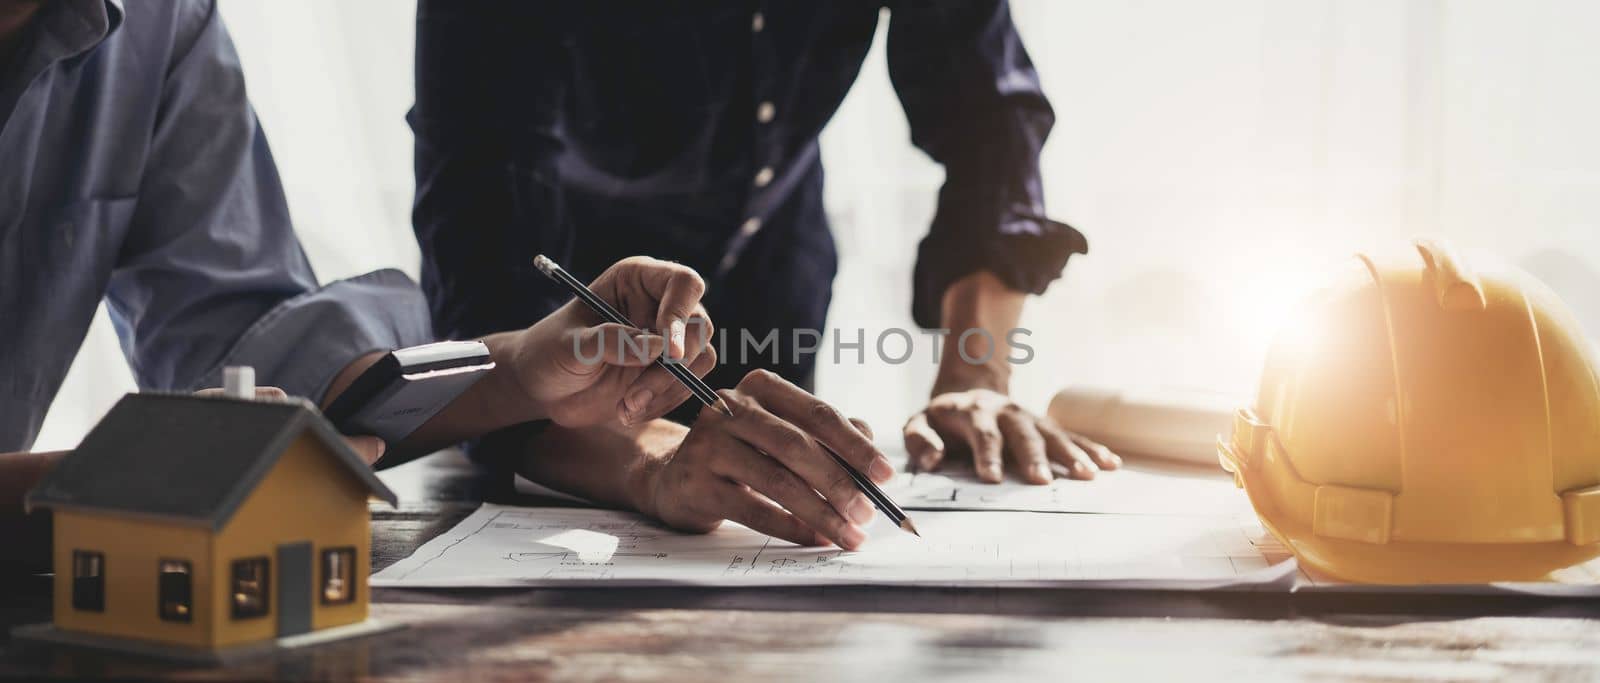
(294, 589)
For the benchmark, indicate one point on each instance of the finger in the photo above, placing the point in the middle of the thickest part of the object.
(862, 426)
(787, 444)
(657, 392)
(923, 444)
(982, 433)
(678, 289)
(767, 477)
(615, 344)
(1026, 446)
(1103, 457)
(370, 448)
(1059, 446)
(742, 505)
(701, 331)
(819, 420)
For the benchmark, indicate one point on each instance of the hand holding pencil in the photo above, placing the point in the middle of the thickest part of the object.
(766, 454)
(583, 369)
(767, 466)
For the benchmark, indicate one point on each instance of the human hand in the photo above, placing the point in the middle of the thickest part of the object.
(987, 423)
(765, 468)
(579, 370)
(370, 448)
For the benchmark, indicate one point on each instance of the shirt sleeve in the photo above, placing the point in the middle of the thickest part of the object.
(211, 273)
(974, 104)
(489, 93)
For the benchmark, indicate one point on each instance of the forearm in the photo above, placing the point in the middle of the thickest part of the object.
(28, 536)
(979, 301)
(612, 466)
(494, 402)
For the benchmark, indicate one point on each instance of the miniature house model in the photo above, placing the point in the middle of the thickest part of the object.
(188, 525)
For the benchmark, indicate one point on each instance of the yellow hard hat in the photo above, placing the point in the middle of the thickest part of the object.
(1427, 421)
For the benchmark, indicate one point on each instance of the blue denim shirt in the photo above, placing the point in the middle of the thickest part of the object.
(591, 131)
(133, 169)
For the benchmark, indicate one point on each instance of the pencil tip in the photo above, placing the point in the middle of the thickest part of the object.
(908, 526)
(722, 405)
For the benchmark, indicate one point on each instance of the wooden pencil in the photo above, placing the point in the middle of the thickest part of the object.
(708, 396)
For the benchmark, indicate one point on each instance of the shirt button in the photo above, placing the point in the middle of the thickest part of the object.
(757, 22)
(750, 227)
(765, 112)
(763, 176)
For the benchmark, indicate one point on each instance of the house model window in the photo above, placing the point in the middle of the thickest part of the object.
(252, 590)
(175, 590)
(338, 576)
(88, 581)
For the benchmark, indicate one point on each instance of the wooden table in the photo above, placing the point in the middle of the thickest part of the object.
(862, 633)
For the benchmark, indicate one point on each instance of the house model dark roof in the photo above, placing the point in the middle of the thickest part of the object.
(187, 459)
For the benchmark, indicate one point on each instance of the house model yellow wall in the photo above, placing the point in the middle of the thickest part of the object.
(307, 496)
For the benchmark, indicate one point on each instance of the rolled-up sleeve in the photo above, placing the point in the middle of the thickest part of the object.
(304, 341)
(974, 104)
(211, 273)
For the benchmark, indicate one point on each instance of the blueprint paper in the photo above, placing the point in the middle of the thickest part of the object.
(1139, 488)
(500, 546)
(1129, 491)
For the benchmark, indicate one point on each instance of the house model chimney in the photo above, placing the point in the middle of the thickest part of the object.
(239, 381)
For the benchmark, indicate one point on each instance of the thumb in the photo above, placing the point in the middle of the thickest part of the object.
(679, 289)
(614, 344)
(370, 448)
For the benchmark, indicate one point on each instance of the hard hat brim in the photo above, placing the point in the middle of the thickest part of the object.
(1410, 563)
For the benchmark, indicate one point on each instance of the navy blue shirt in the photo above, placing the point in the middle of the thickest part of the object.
(132, 169)
(592, 131)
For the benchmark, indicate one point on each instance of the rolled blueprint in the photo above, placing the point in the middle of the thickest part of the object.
(1173, 424)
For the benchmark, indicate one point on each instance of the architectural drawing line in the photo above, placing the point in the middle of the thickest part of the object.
(453, 544)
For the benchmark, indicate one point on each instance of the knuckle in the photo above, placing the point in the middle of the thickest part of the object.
(759, 379)
(840, 486)
(635, 263)
(778, 483)
(820, 411)
(695, 284)
(794, 442)
(917, 441)
(862, 427)
(733, 397)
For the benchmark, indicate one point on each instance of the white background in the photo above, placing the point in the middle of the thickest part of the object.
(1216, 154)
